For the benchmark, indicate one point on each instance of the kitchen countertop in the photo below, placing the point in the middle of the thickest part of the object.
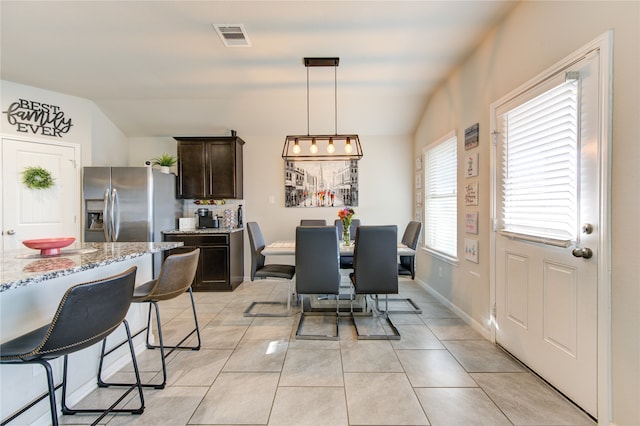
(24, 267)
(203, 231)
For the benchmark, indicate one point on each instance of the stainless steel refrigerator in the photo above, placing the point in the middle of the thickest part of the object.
(129, 204)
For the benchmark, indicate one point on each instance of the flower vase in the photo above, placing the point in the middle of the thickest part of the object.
(346, 234)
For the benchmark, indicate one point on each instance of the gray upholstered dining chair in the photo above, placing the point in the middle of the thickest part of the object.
(313, 222)
(407, 264)
(317, 270)
(261, 270)
(375, 273)
(346, 261)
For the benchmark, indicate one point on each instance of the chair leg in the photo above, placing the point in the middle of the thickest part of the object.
(178, 346)
(413, 306)
(247, 312)
(394, 335)
(161, 346)
(112, 408)
(334, 336)
(50, 394)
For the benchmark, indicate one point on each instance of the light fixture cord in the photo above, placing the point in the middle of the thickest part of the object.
(308, 101)
(335, 99)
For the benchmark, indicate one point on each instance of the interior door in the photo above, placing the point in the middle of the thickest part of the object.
(39, 213)
(546, 288)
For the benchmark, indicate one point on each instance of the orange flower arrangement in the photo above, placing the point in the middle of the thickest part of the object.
(345, 216)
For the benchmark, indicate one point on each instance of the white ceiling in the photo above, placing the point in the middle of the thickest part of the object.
(158, 68)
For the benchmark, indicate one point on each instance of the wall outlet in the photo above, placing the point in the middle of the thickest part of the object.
(272, 199)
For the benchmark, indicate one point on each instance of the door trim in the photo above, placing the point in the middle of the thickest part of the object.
(605, 45)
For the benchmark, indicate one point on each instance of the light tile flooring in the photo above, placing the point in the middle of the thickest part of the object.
(252, 371)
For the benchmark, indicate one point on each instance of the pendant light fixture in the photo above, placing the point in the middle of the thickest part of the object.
(322, 147)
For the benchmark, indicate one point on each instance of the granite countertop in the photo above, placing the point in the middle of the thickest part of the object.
(25, 266)
(202, 231)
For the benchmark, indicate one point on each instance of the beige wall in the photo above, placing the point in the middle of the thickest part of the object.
(532, 38)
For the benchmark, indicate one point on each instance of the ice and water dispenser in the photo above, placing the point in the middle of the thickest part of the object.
(95, 219)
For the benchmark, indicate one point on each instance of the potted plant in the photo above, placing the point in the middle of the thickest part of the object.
(164, 161)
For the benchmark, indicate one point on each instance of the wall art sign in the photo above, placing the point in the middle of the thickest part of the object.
(471, 194)
(471, 250)
(471, 136)
(321, 183)
(471, 165)
(38, 118)
(471, 222)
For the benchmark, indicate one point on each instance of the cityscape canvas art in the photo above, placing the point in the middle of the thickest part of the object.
(321, 183)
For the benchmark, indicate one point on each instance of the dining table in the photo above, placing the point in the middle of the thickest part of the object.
(288, 248)
(318, 302)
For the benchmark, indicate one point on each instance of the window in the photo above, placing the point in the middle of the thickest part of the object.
(539, 164)
(440, 196)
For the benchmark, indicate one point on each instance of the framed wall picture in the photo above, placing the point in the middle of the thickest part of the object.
(321, 183)
(418, 164)
(471, 250)
(471, 165)
(472, 136)
(471, 194)
(471, 222)
(419, 181)
(419, 198)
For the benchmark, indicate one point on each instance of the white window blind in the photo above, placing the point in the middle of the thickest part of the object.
(539, 165)
(440, 194)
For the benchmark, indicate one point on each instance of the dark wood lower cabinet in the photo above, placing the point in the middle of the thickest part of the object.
(221, 265)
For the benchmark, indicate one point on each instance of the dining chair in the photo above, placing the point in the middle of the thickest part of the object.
(374, 273)
(317, 270)
(346, 261)
(313, 222)
(262, 271)
(175, 278)
(86, 315)
(407, 265)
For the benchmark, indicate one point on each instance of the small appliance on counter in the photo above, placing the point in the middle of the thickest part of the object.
(206, 219)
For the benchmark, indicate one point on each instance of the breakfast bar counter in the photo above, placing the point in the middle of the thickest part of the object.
(32, 286)
(19, 268)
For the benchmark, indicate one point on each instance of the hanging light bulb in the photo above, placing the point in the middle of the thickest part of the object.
(331, 148)
(296, 147)
(314, 146)
(348, 148)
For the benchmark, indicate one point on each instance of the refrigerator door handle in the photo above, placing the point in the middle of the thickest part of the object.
(115, 216)
(106, 221)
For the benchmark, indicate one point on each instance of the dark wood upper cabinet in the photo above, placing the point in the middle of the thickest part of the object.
(210, 167)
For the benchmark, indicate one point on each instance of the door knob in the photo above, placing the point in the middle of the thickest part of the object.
(587, 228)
(10, 232)
(585, 252)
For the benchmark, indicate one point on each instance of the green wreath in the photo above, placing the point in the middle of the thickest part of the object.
(37, 177)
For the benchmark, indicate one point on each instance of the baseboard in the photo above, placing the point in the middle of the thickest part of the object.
(462, 314)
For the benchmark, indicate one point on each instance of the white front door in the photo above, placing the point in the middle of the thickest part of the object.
(546, 287)
(39, 213)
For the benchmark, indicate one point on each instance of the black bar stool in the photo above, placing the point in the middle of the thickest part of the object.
(87, 314)
(176, 277)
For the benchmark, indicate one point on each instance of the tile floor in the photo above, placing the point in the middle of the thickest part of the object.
(252, 371)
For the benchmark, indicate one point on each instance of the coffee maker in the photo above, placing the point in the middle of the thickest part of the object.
(206, 219)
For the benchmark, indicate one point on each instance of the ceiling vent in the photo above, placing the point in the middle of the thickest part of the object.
(232, 35)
